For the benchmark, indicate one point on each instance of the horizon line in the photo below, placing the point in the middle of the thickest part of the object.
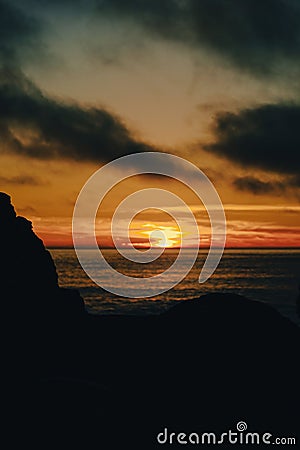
(71, 247)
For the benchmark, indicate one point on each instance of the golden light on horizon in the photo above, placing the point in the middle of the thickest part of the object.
(162, 236)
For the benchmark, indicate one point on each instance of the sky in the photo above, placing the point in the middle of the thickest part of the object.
(214, 81)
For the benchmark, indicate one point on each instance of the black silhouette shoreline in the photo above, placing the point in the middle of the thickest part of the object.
(118, 381)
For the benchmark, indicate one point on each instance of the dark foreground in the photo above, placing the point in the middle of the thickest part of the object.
(117, 381)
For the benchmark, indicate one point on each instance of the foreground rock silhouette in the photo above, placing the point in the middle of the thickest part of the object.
(118, 381)
(27, 270)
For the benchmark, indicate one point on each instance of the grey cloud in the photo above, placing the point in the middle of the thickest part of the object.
(38, 126)
(267, 137)
(255, 35)
(259, 187)
(19, 34)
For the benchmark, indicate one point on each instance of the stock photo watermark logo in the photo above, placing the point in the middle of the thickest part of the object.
(240, 436)
(148, 163)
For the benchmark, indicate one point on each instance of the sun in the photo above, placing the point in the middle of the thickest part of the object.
(158, 238)
(162, 236)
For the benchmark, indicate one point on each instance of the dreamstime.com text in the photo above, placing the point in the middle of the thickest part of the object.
(239, 436)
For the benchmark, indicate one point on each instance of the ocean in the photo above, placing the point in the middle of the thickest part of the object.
(267, 275)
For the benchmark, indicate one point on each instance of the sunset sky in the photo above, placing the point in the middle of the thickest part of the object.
(214, 81)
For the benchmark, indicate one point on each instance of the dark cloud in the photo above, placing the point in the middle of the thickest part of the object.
(19, 34)
(295, 180)
(267, 137)
(22, 180)
(35, 125)
(259, 187)
(253, 34)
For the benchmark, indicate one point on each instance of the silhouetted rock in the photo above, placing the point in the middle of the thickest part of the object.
(28, 275)
(25, 263)
(233, 357)
(203, 365)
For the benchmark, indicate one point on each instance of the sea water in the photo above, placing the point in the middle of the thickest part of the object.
(267, 275)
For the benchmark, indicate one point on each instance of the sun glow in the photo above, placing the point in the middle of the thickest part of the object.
(162, 236)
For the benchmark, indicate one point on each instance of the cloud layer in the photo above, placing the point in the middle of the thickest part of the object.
(253, 34)
(19, 34)
(257, 186)
(35, 125)
(21, 180)
(265, 138)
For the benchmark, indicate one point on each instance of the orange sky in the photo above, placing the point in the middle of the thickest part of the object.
(80, 73)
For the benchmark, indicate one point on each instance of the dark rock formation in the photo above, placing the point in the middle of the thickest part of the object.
(117, 381)
(27, 272)
(25, 263)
